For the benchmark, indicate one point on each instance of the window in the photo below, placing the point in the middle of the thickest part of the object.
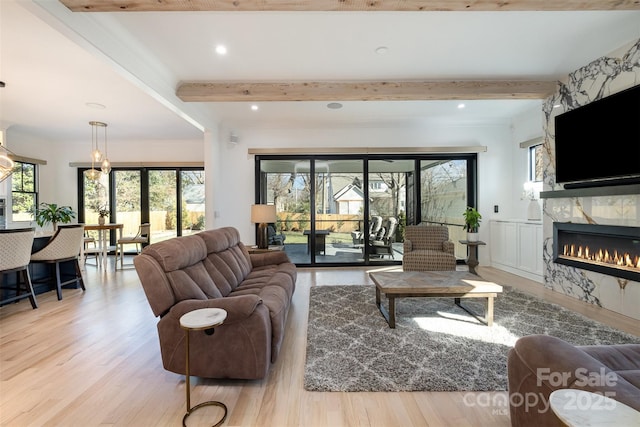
(171, 199)
(24, 197)
(535, 163)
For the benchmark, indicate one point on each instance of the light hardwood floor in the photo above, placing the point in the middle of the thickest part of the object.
(93, 359)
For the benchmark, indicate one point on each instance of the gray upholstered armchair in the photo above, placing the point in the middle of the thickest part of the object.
(428, 248)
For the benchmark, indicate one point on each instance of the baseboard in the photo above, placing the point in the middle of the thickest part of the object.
(526, 274)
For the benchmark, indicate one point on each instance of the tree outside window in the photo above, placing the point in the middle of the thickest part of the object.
(24, 197)
(536, 169)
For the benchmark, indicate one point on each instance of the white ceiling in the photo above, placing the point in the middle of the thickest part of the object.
(55, 61)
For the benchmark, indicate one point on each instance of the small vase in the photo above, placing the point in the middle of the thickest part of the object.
(101, 220)
(472, 237)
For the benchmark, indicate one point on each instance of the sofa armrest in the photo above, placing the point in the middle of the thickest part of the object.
(541, 364)
(269, 258)
(238, 308)
(448, 246)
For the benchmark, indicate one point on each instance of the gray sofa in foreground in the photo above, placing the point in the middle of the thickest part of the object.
(214, 269)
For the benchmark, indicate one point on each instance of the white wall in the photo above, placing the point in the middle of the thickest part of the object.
(230, 169)
(237, 167)
(525, 127)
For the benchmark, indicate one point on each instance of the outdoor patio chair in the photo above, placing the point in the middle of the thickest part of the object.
(383, 243)
(375, 224)
(275, 238)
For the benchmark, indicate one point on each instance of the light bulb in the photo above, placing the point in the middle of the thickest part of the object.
(96, 155)
(92, 174)
(106, 166)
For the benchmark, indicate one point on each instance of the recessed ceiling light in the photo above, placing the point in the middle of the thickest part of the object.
(557, 106)
(334, 105)
(221, 49)
(382, 50)
(254, 107)
(95, 105)
(461, 106)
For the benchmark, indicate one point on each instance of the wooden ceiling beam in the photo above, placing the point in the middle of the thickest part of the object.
(345, 6)
(363, 91)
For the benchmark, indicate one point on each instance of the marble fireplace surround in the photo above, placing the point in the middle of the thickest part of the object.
(616, 206)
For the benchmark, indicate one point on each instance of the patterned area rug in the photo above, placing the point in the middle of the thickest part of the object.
(436, 345)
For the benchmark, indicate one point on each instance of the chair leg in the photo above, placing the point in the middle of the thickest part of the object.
(18, 290)
(58, 281)
(80, 280)
(121, 256)
(29, 286)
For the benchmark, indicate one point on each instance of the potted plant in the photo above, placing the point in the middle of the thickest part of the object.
(471, 223)
(102, 214)
(52, 213)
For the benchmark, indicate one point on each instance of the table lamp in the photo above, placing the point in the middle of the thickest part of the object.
(262, 215)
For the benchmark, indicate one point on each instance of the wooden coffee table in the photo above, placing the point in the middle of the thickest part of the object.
(434, 284)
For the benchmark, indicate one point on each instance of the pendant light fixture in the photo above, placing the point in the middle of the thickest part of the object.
(96, 156)
(6, 163)
(106, 164)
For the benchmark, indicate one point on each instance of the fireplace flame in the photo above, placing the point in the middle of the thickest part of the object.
(602, 256)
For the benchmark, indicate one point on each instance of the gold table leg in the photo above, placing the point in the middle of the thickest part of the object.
(191, 410)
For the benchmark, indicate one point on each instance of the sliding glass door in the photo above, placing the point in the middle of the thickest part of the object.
(337, 210)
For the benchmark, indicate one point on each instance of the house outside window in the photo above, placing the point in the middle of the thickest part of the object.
(24, 195)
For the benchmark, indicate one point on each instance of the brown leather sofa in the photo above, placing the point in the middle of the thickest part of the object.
(213, 269)
(539, 364)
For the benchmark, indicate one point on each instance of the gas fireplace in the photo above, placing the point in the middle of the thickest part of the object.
(607, 249)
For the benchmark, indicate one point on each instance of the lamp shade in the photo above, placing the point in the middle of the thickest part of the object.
(263, 214)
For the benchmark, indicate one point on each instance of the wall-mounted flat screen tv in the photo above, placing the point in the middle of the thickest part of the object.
(599, 143)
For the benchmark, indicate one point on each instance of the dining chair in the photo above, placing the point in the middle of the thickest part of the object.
(141, 238)
(15, 253)
(90, 247)
(64, 246)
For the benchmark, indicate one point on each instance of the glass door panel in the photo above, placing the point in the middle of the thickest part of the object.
(127, 200)
(339, 217)
(286, 184)
(387, 206)
(163, 202)
(96, 198)
(192, 198)
(443, 195)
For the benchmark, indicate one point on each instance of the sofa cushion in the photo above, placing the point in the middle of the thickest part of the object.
(193, 282)
(276, 275)
(177, 253)
(181, 261)
(227, 260)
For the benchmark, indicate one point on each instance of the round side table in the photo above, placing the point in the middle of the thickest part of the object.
(472, 260)
(579, 408)
(204, 319)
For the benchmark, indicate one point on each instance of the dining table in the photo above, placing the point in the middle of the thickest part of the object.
(103, 239)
